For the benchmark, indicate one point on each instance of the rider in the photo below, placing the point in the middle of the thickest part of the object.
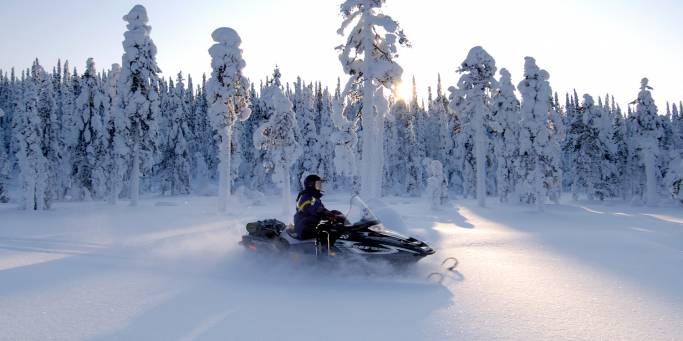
(309, 208)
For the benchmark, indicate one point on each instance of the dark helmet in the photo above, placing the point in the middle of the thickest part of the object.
(309, 181)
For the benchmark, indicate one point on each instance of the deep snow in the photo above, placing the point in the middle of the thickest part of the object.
(171, 269)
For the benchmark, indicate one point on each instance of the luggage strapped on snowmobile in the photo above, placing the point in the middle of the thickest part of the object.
(269, 228)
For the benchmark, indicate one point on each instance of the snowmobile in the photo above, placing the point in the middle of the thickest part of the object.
(337, 237)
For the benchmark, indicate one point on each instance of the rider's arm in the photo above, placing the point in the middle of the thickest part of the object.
(308, 205)
(313, 207)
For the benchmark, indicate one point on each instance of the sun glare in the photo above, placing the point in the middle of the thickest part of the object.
(404, 91)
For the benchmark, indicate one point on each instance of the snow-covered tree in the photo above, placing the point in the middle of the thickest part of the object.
(677, 125)
(116, 147)
(345, 140)
(277, 137)
(620, 154)
(50, 142)
(89, 149)
(205, 151)
(4, 164)
(228, 100)
(68, 135)
(175, 164)
(368, 58)
(539, 160)
(139, 97)
(10, 98)
(674, 179)
(592, 154)
(408, 155)
(448, 132)
(648, 130)
(326, 128)
(304, 108)
(394, 174)
(472, 102)
(28, 131)
(423, 137)
(506, 146)
(437, 187)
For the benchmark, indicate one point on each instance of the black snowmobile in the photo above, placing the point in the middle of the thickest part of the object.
(338, 237)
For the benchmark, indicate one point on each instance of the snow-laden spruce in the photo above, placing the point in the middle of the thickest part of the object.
(52, 147)
(227, 93)
(345, 140)
(28, 131)
(590, 162)
(138, 95)
(277, 136)
(4, 163)
(368, 58)
(309, 138)
(648, 131)
(505, 108)
(203, 148)
(471, 100)
(116, 147)
(449, 124)
(539, 158)
(88, 154)
(175, 160)
(437, 186)
(326, 129)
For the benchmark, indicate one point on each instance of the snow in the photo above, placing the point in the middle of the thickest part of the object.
(227, 36)
(171, 269)
(137, 15)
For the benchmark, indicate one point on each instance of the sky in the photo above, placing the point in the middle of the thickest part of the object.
(593, 47)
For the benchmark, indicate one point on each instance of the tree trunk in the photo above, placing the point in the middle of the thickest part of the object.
(651, 181)
(135, 175)
(225, 149)
(480, 154)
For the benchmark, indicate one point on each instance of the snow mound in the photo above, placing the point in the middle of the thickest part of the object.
(226, 35)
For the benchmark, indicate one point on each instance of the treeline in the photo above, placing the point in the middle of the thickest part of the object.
(111, 134)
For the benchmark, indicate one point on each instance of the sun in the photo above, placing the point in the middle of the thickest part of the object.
(404, 91)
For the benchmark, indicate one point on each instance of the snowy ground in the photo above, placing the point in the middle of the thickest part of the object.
(171, 269)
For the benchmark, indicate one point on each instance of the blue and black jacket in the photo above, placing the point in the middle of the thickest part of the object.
(309, 212)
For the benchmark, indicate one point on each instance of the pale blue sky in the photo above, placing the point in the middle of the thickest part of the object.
(593, 46)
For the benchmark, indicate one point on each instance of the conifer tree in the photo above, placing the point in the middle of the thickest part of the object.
(369, 58)
(50, 142)
(506, 148)
(28, 131)
(277, 137)
(227, 94)
(472, 102)
(87, 153)
(176, 158)
(539, 164)
(648, 131)
(4, 164)
(139, 95)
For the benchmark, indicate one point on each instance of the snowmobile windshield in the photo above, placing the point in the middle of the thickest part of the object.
(359, 212)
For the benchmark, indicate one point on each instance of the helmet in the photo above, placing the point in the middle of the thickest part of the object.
(309, 181)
